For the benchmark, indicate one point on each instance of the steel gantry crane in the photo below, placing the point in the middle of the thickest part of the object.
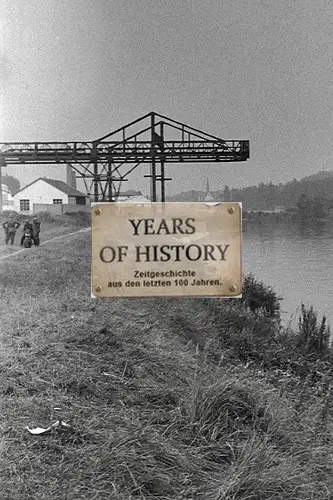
(105, 163)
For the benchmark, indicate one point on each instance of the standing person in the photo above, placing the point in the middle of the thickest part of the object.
(36, 230)
(27, 227)
(10, 226)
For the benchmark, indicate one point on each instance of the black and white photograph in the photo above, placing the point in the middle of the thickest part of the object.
(166, 269)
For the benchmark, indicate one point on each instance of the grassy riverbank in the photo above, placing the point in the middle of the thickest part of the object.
(170, 399)
(51, 227)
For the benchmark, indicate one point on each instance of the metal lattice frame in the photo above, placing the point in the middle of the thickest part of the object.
(105, 163)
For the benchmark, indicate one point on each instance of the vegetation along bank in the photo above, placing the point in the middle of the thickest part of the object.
(172, 399)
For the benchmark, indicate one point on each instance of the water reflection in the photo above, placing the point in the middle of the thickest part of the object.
(296, 260)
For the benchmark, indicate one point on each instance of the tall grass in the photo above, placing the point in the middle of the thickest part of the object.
(165, 399)
(313, 337)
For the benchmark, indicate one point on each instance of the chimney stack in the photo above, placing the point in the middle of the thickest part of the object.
(70, 176)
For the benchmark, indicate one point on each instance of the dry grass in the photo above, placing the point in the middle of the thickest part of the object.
(159, 403)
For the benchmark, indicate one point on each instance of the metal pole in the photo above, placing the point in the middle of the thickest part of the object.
(162, 165)
(110, 180)
(153, 162)
(1, 187)
(95, 180)
(95, 174)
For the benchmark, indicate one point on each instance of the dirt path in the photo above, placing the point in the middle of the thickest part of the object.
(63, 236)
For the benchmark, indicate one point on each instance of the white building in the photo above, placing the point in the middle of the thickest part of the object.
(7, 198)
(128, 197)
(132, 197)
(207, 197)
(45, 192)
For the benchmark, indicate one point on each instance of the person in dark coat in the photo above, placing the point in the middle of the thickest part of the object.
(27, 227)
(10, 226)
(36, 230)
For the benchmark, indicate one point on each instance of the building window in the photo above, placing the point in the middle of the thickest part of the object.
(24, 205)
(57, 201)
(72, 200)
(80, 200)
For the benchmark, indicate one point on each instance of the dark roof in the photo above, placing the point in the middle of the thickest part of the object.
(62, 186)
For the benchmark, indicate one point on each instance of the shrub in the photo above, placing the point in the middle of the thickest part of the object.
(259, 297)
(79, 219)
(312, 336)
(45, 216)
(6, 213)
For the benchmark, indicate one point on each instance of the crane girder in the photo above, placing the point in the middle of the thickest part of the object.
(162, 140)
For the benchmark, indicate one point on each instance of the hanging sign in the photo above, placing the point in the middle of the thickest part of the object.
(166, 249)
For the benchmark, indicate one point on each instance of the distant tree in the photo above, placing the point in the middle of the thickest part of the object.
(311, 207)
(226, 193)
(319, 207)
(304, 206)
(236, 195)
(13, 184)
(264, 196)
(309, 197)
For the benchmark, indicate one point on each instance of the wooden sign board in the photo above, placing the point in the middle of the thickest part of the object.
(166, 249)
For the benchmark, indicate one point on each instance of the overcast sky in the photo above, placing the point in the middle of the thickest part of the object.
(238, 69)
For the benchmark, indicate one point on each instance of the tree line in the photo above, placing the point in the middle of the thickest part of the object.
(311, 196)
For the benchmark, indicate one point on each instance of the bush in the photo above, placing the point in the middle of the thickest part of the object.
(259, 297)
(5, 213)
(312, 336)
(80, 217)
(44, 216)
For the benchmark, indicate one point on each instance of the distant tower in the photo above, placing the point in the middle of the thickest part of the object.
(70, 176)
(208, 195)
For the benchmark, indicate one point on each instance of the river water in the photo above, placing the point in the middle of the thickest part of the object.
(297, 261)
